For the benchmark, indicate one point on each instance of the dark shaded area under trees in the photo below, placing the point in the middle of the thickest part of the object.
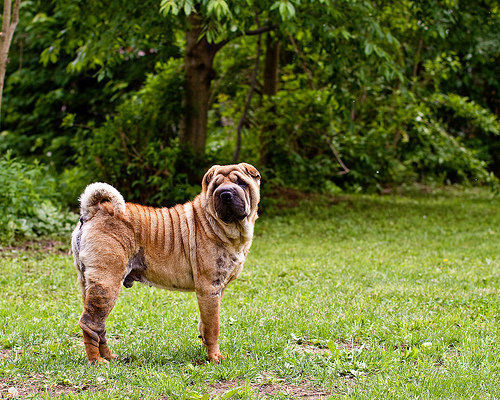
(146, 95)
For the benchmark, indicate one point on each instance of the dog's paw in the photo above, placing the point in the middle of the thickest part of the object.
(99, 361)
(216, 358)
(108, 355)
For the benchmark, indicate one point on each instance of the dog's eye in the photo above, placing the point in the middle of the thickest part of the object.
(241, 183)
(217, 182)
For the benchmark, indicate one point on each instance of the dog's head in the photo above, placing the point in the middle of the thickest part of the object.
(232, 192)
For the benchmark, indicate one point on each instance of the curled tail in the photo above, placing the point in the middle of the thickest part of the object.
(96, 193)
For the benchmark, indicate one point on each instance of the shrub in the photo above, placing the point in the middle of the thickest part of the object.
(29, 202)
(394, 139)
(137, 149)
(295, 140)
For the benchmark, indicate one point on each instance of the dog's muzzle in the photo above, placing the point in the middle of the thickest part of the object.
(230, 204)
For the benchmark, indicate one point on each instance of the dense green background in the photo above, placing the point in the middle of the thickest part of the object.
(404, 92)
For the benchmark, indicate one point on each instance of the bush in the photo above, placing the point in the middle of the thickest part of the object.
(137, 149)
(406, 141)
(295, 141)
(395, 139)
(29, 202)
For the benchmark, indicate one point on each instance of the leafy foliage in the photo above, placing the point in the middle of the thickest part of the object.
(403, 92)
(47, 83)
(137, 149)
(29, 204)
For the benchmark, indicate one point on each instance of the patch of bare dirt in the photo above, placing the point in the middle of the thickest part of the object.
(316, 347)
(6, 354)
(450, 353)
(42, 246)
(350, 344)
(32, 385)
(311, 347)
(312, 350)
(302, 391)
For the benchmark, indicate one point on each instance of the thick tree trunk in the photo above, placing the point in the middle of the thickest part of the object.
(10, 18)
(199, 72)
(253, 81)
(270, 88)
(271, 66)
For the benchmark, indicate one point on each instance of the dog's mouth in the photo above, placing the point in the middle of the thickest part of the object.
(229, 205)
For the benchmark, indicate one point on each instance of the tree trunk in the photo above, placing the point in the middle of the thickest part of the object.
(271, 66)
(270, 88)
(253, 81)
(10, 18)
(199, 72)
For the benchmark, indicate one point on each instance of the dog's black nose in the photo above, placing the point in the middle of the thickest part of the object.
(226, 196)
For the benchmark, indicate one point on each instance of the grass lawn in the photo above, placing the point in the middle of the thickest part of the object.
(365, 297)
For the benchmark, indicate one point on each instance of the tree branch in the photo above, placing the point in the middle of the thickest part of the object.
(253, 81)
(258, 31)
(15, 14)
(7, 4)
(261, 30)
(337, 156)
(417, 58)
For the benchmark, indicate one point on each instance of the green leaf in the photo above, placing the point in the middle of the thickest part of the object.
(333, 349)
(169, 6)
(282, 9)
(368, 48)
(211, 6)
(345, 34)
(188, 7)
(232, 392)
(224, 7)
(68, 120)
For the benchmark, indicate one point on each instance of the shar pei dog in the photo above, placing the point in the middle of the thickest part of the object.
(198, 246)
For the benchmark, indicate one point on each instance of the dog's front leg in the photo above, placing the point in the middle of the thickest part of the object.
(209, 304)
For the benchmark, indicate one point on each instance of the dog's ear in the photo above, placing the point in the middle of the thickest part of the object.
(208, 177)
(251, 170)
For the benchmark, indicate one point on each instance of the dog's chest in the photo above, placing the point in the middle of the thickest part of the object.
(228, 266)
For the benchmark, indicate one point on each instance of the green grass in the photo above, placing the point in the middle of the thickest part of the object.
(368, 297)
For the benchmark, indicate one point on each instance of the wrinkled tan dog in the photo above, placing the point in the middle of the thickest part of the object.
(198, 246)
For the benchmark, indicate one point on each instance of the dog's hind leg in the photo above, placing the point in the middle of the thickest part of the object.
(100, 298)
